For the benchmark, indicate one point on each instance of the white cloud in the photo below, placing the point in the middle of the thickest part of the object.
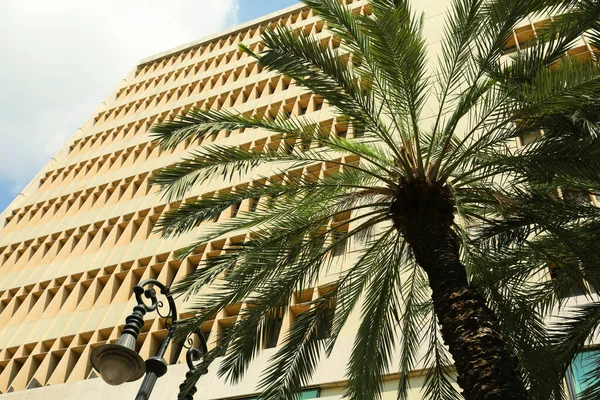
(59, 59)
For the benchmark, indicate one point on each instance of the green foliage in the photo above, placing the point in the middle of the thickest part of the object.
(515, 212)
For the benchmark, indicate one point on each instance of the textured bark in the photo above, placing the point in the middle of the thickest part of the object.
(487, 369)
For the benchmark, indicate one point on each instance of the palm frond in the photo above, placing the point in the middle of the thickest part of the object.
(413, 323)
(571, 333)
(439, 378)
(375, 338)
(524, 239)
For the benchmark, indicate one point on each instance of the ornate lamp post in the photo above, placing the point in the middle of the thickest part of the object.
(119, 362)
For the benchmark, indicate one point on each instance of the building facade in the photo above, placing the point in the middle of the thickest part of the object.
(81, 235)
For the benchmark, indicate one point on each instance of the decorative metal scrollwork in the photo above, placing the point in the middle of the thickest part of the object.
(147, 301)
(154, 367)
(195, 354)
(142, 295)
(168, 316)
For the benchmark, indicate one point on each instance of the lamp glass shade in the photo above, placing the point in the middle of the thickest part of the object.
(115, 369)
(117, 364)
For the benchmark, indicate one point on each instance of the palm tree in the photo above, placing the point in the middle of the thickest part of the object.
(447, 218)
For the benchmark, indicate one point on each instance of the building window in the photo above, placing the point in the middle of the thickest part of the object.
(583, 363)
(324, 325)
(222, 333)
(235, 208)
(272, 331)
(339, 243)
(358, 132)
(578, 287)
(254, 203)
(310, 394)
(576, 196)
(304, 395)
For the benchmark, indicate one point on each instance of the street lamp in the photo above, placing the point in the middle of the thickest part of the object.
(119, 362)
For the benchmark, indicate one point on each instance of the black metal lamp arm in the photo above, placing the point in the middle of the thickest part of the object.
(119, 362)
(193, 355)
(157, 366)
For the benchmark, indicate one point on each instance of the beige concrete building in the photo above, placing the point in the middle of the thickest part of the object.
(80, 236)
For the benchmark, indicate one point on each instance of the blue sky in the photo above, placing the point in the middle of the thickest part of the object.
(250, 9)
(61, 58)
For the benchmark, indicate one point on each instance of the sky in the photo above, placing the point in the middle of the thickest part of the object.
(59, 60)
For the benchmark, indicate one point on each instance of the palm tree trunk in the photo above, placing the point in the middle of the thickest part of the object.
(486, 367)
